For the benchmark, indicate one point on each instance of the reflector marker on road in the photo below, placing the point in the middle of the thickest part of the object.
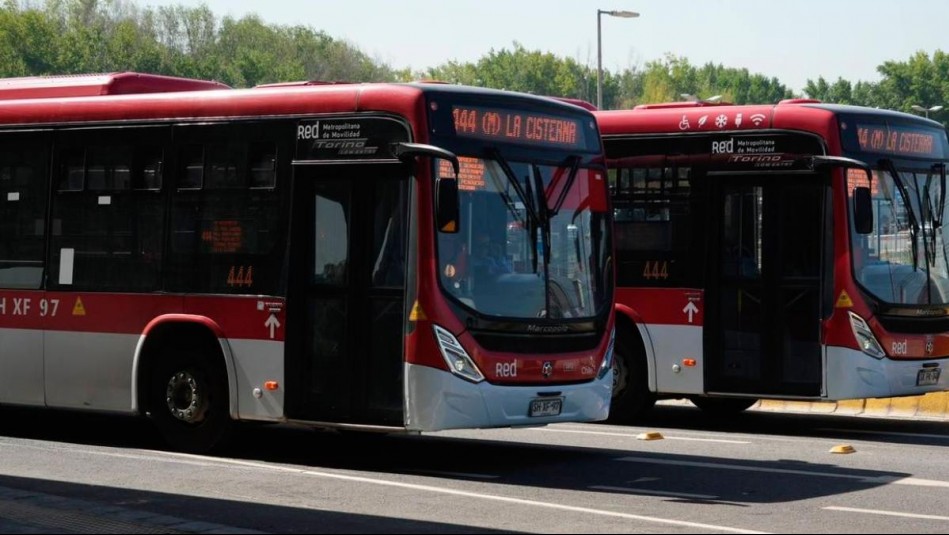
(651, 435)
(843, 449)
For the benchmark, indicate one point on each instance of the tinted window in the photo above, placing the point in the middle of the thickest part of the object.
(228, 216)
(654, 216)
(23, 198)
(108, 211)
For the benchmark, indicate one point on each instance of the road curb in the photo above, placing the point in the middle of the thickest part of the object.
(930, 406)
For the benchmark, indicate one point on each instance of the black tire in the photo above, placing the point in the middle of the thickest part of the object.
(188, 400)
(722, 407)
(631, 396)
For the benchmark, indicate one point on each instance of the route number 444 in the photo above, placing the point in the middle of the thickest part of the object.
(656, 270)
(240, 277)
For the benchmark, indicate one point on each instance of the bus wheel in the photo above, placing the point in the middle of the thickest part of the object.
(723, 406)
(188, 401)
(631, 395)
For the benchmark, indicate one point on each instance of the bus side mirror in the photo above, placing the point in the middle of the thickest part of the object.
(447, 202)
(447, 206)
(863, 210)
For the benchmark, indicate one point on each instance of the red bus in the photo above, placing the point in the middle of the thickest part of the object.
(791, 251)
(411, 257)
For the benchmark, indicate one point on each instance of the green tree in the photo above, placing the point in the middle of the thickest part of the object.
(29, 42)
(668, 79)
(525, 71)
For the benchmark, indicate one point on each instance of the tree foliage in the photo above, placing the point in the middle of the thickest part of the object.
(87, 36)
(922, 80)
(43, 37)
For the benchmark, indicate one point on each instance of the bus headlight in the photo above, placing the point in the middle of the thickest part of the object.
(456, 357)
(865, 339)
(608, 357)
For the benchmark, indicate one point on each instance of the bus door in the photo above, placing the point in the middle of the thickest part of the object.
(766, 285)
(24, 311)
(347, 294)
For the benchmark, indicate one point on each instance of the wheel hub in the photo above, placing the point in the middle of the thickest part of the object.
(186, 398)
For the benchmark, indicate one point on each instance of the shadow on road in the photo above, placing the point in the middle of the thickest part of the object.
(676, 477)
(76, 508)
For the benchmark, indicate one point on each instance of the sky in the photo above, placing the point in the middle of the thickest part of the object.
(792, 40)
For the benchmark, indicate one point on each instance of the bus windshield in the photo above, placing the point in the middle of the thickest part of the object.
(534, 241)
(905, 260)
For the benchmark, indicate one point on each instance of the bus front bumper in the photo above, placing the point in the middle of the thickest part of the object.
(438, 400)
(851, 374)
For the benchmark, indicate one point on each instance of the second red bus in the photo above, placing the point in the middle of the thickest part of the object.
(792, 251)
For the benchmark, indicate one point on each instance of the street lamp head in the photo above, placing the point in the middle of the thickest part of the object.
(599, 48)
(688, 97)
(934, 109)
(622, 14)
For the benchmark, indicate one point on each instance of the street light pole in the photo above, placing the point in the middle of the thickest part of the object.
(599, 48)
(926, 111)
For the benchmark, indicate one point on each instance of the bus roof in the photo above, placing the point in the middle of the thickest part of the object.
(85, 85)
(688, 117)
(115, 97)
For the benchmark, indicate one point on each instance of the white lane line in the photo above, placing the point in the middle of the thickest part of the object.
(628, 490)
(188, 459)
(718, 440)
(910, 482)
(455, 474)
(880, 480)
(626, 435)
(466, 494)
(886, 513)
(884, 433)
(129, 456)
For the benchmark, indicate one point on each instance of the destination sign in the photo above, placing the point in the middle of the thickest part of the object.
(902, 141)
(514, 126)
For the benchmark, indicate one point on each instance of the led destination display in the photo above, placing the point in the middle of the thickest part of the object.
(901, 141)
(511, 126)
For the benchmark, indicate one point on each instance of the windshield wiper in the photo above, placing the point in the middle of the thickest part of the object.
(512, 179)
(574, 170)
(502, 191)
(526, 198)
(934, 212)
(888, 165)
(940, 208)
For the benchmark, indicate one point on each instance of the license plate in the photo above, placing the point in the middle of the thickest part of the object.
(928, 377)
(546, 407)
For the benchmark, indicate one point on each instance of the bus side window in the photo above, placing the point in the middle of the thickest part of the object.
(653, 224)
(224, 165)
(191, 167)
(112, 231)
(23, 198)
(262, 159)
(228, 220)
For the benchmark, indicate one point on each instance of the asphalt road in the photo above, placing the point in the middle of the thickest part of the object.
(760, 472)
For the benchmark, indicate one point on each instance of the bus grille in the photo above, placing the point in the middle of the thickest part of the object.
(896, 324)
(536, 343)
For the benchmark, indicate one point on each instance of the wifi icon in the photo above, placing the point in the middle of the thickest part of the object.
(758, 118)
